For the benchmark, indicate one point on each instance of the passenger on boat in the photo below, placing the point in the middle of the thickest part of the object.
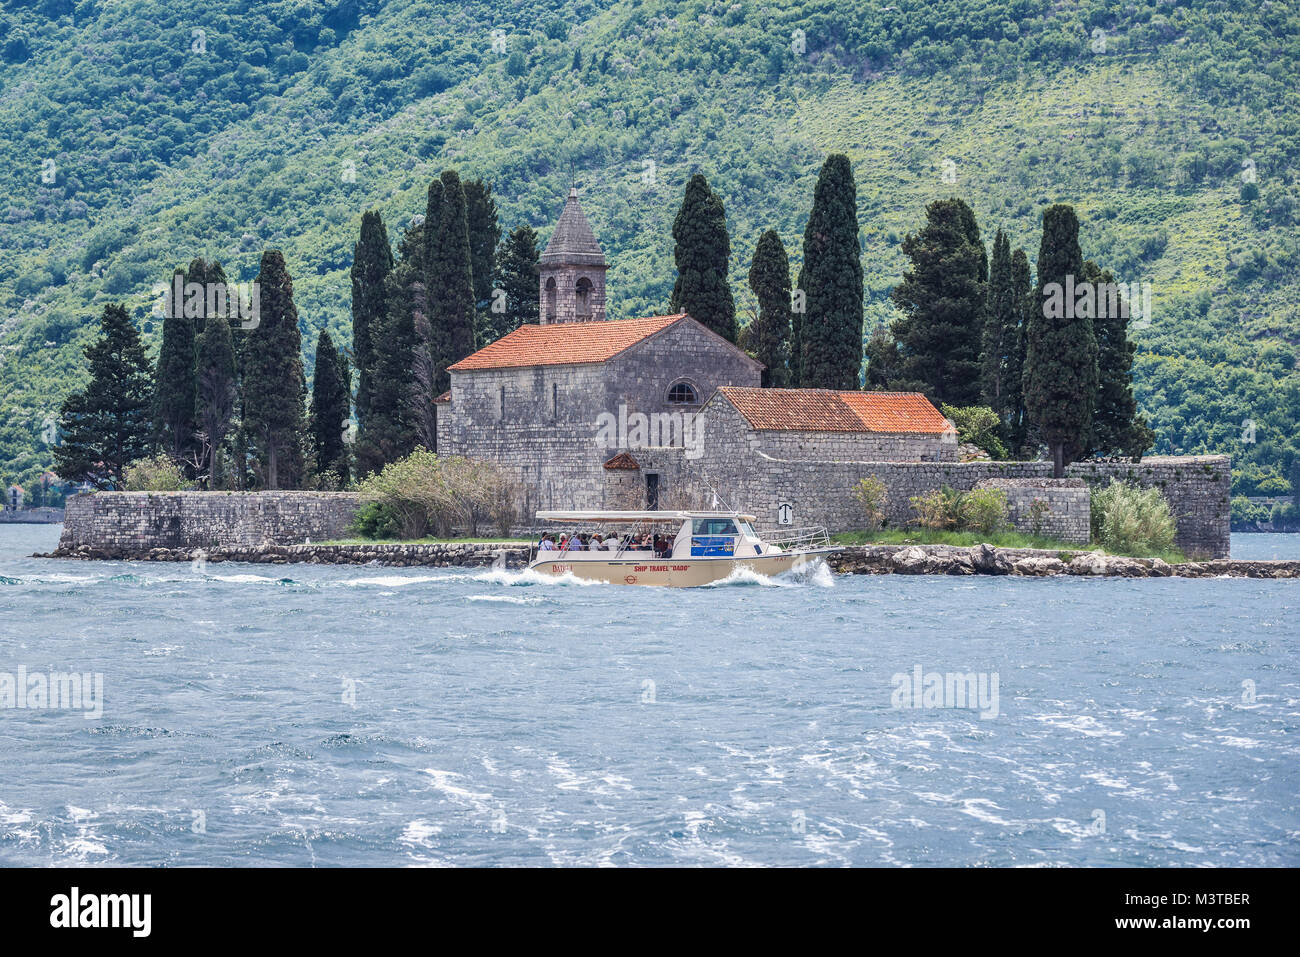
(662, 548)
(611, 543)
(575, 544)
(547, 544)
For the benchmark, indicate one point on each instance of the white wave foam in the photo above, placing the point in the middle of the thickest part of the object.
(502, 576)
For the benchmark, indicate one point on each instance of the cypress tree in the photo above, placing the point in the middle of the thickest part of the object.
(701, 253)
(1000, 366)
(769, 334)
(330, 408)
(450, 282)
(1117, 428)
(484, 235)
(372, 260)
(274, 385)
(1061, 350)
(108, 425)
(942, 303)
(389, 432)
(884, 364)
(1022, 305)
(831, 330)
(516, 276)
(217, 391)
(175, 398)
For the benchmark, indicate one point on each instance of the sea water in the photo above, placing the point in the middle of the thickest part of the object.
(344, 715)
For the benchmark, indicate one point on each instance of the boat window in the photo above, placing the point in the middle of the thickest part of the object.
(714, 526)
(748, 530)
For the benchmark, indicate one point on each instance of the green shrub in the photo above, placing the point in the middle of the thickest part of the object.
(977, 425)
(1126, 518)
(426, 491)
(940, 509)
(377, 521)
(1038, 512)
(156, 474)
(871, 493)
(984, 510)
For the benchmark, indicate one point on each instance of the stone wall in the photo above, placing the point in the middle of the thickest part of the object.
(1066, 507)
(128, 522)
(855, 446)
(750, 479)
(542, 422)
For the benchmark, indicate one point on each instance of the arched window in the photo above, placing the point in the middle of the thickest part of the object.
(550, 299)
(582, 299)
(682, 393)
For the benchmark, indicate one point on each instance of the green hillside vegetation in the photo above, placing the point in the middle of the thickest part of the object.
(134, 144)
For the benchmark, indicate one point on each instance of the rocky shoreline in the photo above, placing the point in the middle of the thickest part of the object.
(1039, 563)
(853, 560)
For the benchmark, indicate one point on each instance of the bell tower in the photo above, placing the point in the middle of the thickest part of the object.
(571, 272)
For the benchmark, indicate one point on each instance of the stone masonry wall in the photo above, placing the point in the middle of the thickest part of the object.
(748, 478)
(1067, 513)
(127, 522)
(548, 433)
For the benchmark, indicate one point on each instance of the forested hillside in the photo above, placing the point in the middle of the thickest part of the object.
(140, 134)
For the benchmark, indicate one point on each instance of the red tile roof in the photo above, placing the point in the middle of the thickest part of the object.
(622, 461)
(565, 343)
(823, 410)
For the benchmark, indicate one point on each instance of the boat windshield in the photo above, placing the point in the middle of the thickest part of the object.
(713, 537)
(748, 530)
(714, 526)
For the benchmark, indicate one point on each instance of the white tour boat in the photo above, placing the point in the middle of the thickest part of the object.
(680, 549)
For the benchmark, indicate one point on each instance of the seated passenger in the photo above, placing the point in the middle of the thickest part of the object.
(575, 544)
(547, 544)
(611, 543)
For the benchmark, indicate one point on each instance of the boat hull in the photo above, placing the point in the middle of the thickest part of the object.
(672, 572)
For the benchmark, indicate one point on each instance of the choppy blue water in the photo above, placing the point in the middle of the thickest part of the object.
(302, 715)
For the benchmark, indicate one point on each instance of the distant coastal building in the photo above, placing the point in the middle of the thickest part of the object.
(589, 412)
(13, 498)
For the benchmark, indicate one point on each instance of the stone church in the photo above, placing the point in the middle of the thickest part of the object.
(592, 413)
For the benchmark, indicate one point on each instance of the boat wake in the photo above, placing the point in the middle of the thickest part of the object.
(817, 573)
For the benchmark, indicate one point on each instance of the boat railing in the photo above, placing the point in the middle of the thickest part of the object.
(795, 539)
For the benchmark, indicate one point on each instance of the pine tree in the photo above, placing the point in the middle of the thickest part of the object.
(1117, 428)
(217, 391)
(1061, 349)
(942, 300)
(330, 408)
(484, 235)
(831, 329)
(450, 282)
(1022, 305)
(274, 385)
(1001, 339)
(175, 399)
(108, 425)
(769, 333)
(372, 260)
(516, 277)
(702, 251)
(390, 431)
